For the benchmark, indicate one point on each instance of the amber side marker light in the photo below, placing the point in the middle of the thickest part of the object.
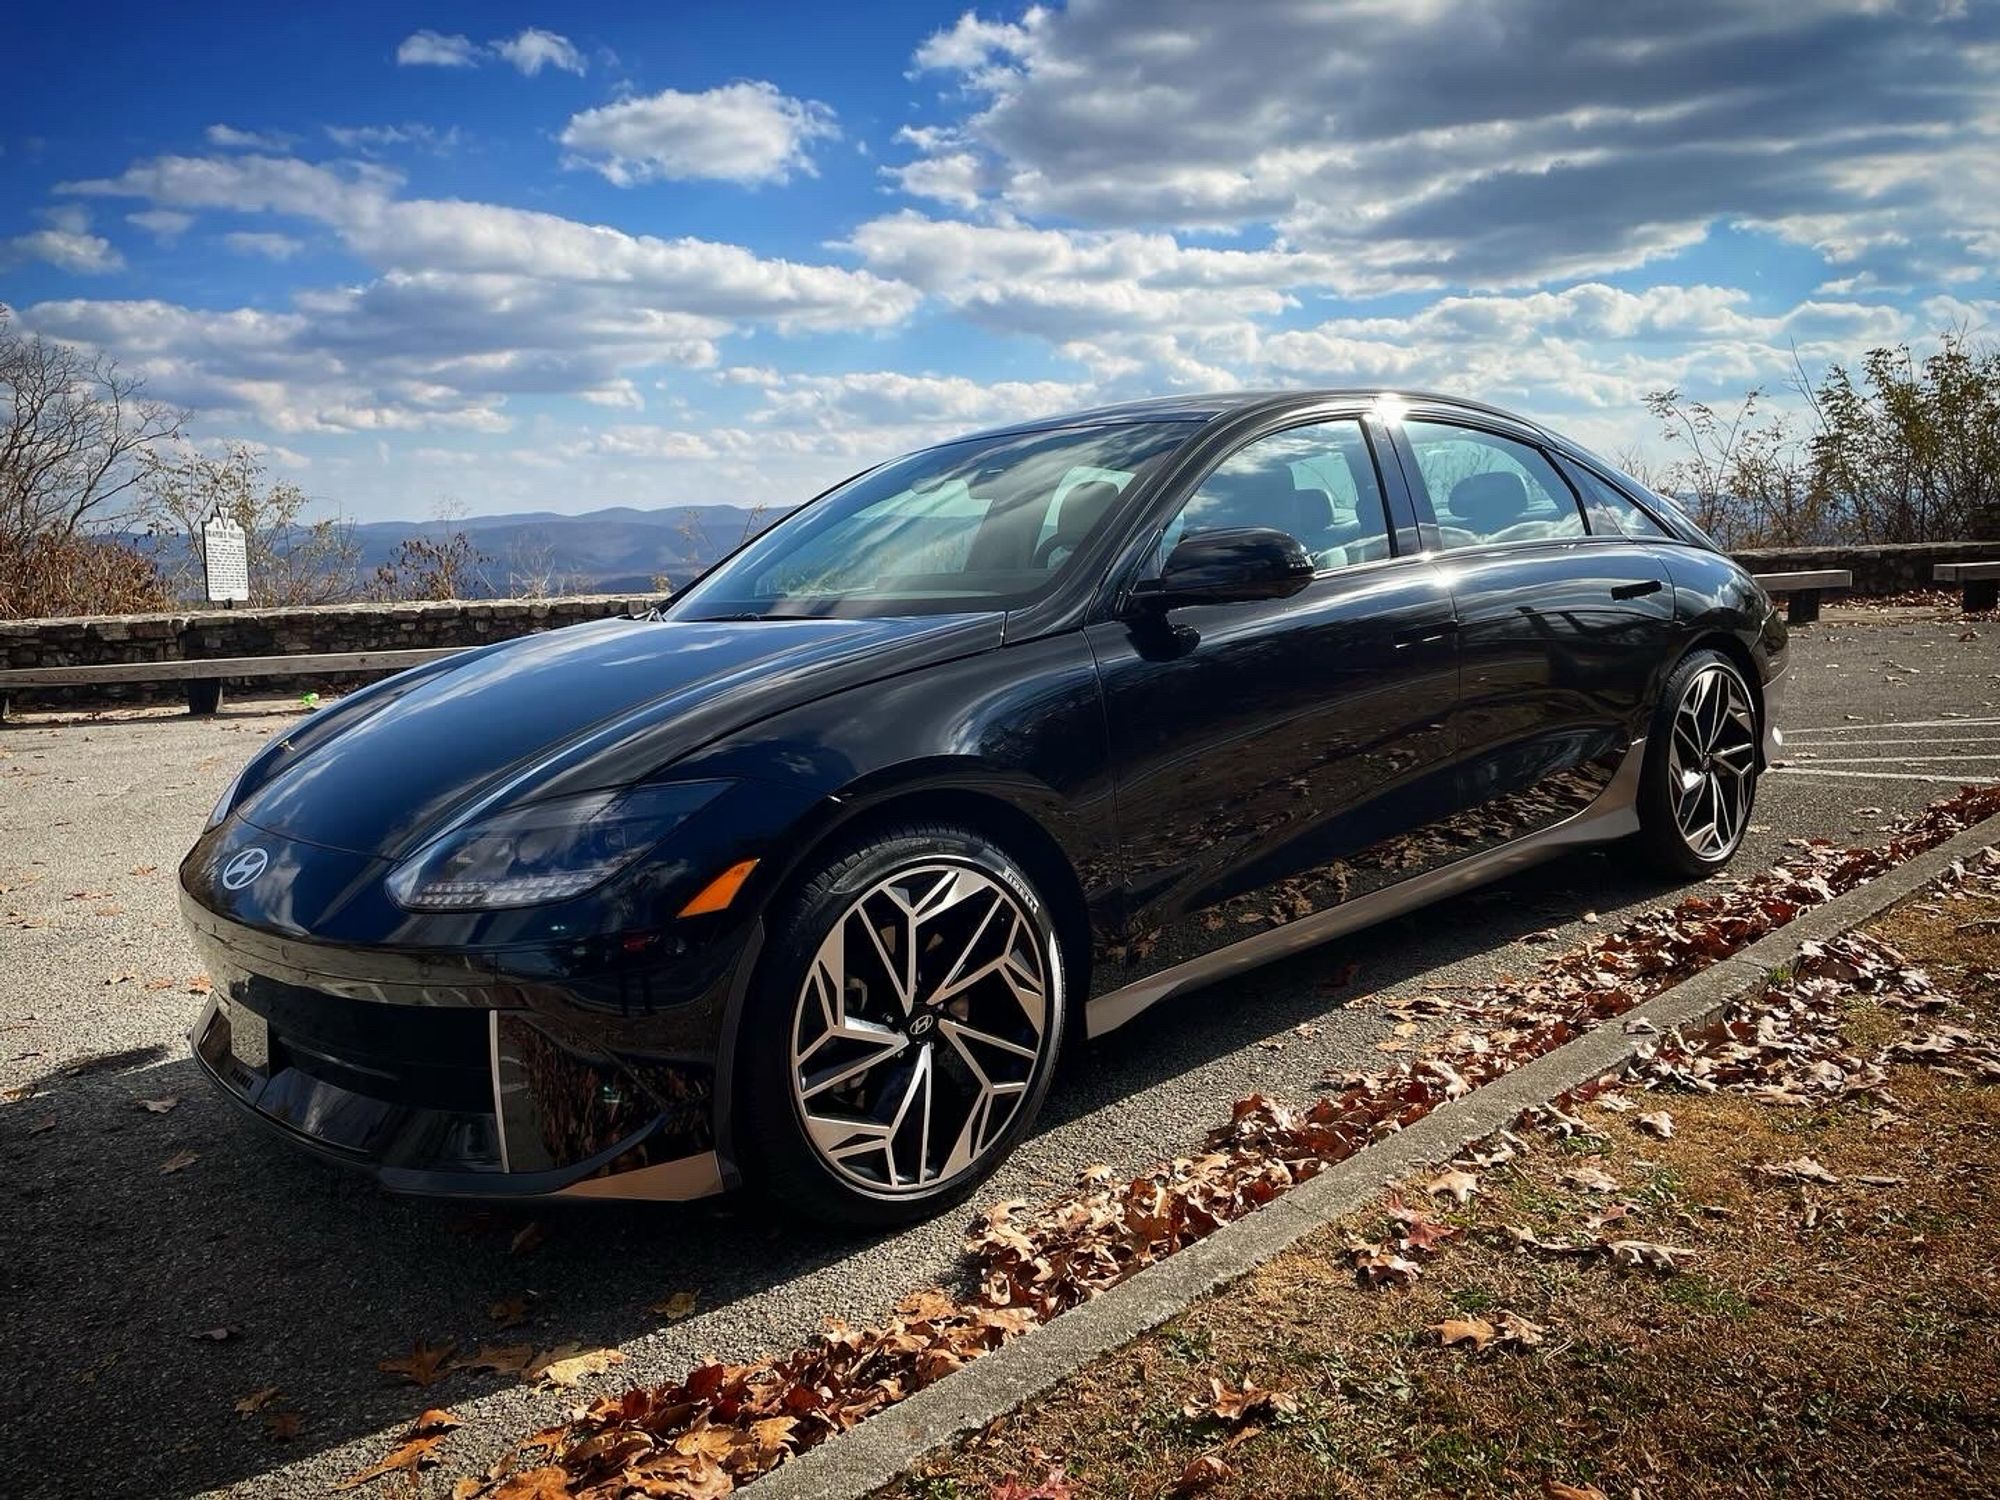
(719, 892)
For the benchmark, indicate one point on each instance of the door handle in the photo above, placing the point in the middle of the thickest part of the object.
(1424, 635)
(1636, 590)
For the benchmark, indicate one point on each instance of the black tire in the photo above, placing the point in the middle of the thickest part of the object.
(1663, 835)
(777, 1146)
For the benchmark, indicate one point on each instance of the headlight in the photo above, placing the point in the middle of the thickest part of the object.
(546, 851)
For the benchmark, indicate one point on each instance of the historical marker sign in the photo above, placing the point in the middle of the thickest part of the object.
(225, 559)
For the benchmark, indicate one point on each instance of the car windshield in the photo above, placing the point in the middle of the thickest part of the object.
(988, 523)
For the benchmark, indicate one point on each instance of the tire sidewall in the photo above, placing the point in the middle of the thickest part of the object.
(778, 1154)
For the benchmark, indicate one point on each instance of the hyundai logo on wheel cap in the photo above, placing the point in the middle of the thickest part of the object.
(244, 868)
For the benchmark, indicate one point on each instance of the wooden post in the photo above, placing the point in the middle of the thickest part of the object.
(1803, 607)
(204, 695)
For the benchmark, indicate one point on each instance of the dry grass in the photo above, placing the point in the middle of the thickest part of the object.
(1823, 1340)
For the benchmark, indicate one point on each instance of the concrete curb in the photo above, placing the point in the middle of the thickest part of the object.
(890, 1444)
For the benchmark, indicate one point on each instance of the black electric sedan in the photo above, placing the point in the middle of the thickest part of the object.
(806, 878)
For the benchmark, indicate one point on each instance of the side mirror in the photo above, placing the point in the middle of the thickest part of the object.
(1228, 567)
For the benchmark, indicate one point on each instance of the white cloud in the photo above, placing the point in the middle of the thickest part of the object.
(372, 138)
(231, 139)
(66, 243)
(270, 246)
(534, 49)
(165, 225)
(471, 305)
(742, 132)
(433, 49)
(1497, 143)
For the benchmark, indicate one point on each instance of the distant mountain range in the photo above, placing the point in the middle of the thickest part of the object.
(615, 551)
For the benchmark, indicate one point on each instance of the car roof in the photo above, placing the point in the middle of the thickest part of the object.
(1208, 405)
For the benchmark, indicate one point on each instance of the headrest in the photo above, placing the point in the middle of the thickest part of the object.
(1491, 501)
(1083, 506)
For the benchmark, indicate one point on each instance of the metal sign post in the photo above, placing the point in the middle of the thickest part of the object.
(225, 560)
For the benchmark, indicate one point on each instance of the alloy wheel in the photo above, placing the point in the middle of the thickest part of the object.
(919, 1027)
(1713, 761)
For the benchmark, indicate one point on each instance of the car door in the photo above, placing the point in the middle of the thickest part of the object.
(1257, 746)
(1561, 628)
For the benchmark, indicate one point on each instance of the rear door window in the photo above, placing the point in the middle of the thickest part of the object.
(1487, 489)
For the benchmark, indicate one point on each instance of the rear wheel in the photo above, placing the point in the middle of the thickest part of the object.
(1700, 778)
(904, 1028)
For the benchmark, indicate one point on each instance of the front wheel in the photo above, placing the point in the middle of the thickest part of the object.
(903, 1029)
(1700, 777)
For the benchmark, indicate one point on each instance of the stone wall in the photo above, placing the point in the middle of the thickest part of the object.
(93, 639)
(1892, 569)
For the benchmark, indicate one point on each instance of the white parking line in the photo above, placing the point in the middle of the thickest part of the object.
(1897, 724)
(1876, 775)
(1941, 739)
(1868, 760)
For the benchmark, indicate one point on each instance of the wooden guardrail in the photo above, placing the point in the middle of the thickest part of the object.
(205, 675)
(1802, 590)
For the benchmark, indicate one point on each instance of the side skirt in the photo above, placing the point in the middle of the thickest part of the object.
(1614, 814)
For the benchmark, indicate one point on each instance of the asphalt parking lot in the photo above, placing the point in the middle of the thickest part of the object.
(112, 1264)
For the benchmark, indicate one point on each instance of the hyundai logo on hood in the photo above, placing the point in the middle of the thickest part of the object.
(244, 868)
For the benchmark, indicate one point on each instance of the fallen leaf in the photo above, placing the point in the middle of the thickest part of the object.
(528, 1239)
(1590, 1179)
(48, 1123)
(676, 1307)
(1804, 1169)
(1555, 1489)
(255, 1401)
(109, 909)
(1456, 1182)
(563, 1367)
(179, 1161)
(1659, 1123)
(161, 1105)
(214, 1335)
(548, 1483)
(283, 1426)
(1203, 1472)
(144, 869)
(508, 1311)
(407, 1458)
(160, 982)
(436, 1419)
(500, 1359)
(1474, 1331)
(1515, 1329)
(1631, 1253)
(422, 1366)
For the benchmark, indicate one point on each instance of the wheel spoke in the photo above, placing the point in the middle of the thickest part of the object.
(884, 1102)
(1712, 761)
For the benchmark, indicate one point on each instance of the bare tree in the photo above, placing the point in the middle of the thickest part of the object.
(446, 566)
(73, 433)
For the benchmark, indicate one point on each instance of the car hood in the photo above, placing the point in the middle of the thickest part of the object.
(567, 711)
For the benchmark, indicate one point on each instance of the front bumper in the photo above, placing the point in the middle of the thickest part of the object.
(469, 1085)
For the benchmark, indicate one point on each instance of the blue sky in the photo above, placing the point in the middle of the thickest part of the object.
(561, 258)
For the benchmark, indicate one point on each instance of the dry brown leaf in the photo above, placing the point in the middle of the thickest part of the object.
(1456, 1182)
(1658, 1123)
(508, 1312)
(500, 1359)
(1555, 1489)
(676, 1307)
(528, 1239)
(161, 1105)
(1474, 1331)
(255, 1401)
(179, 1161)
(214, 1335)
(283, 1426)
(160, 982)
(406, 1458)
(422, 1366)
(1204, 1472)
(547, 1483)
(563, 1367)
(1802, 1169)
(48, 1122)
(1590, 1179)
